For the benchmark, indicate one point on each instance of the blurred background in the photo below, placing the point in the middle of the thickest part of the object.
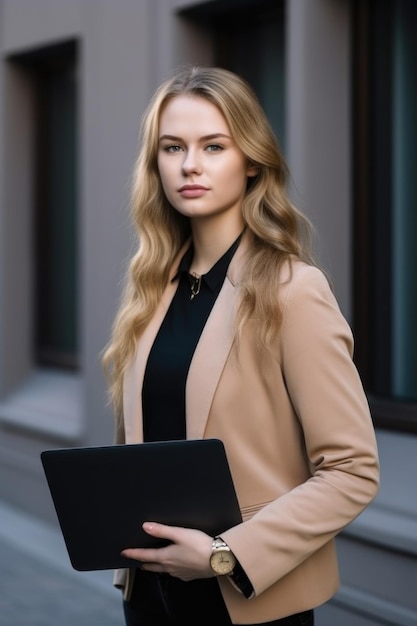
(338, 81)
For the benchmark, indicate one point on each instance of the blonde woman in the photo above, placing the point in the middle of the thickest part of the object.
(228, 329)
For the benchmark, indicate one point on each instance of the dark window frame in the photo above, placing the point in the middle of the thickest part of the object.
(372, 155)
(40, 66)
(230, 22)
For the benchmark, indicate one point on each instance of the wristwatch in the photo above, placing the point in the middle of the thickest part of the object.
(222, 560)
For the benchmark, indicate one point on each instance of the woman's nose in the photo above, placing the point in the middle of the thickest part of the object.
(191, 163)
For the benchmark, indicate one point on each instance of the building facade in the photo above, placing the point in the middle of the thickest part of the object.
(337, 79)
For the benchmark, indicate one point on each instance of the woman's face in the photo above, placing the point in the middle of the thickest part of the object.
(203, 172)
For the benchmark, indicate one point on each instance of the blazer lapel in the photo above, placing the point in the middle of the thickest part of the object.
(212, 350)
(133, 379)
(208, 361)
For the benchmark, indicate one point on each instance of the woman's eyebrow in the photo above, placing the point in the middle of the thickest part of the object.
(204, 138)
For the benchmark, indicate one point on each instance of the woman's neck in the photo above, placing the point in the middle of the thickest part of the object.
(211, 242)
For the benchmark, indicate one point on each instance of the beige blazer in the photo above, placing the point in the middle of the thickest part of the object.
(298, 434)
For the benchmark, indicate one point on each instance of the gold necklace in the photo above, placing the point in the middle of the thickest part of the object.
(195, 284)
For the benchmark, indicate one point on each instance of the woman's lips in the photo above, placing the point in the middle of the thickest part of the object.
(192, 191)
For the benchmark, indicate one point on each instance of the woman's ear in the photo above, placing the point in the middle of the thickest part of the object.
(252, 170)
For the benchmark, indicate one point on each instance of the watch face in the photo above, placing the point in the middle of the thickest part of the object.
(222, 562)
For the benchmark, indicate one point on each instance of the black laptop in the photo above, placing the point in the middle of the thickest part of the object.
(102, 495)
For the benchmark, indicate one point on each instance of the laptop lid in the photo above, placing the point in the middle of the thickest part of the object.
(102, 495)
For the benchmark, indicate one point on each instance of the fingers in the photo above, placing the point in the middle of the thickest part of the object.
(145, 555)
(186, 556)
(162, 531)
(150, 555)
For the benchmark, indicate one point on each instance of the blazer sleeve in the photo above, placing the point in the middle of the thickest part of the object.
(324, 387)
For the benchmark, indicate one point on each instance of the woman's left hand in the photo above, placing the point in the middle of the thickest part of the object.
(187, 557)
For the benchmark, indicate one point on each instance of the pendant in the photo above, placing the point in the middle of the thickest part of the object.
(195, 285)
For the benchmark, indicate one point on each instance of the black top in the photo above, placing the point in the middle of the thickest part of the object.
(163, 393)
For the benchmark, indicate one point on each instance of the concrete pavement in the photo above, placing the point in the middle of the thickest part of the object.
(39, 587)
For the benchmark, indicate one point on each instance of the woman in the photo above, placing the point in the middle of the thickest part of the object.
(229, 330)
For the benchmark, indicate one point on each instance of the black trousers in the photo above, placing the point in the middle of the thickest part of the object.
(161, 600)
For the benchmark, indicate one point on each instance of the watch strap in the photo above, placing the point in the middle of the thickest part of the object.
(219, 543)
(241, 581)
(238, 577)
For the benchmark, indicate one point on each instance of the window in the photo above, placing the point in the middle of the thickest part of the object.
(52, 72)
(40, 381)
(386, 207)
(248, 39)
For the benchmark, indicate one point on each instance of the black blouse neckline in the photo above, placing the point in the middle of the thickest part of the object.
(215, 276)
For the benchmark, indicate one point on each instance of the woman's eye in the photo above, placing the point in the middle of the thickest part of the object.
(172, 148)
(214, 147)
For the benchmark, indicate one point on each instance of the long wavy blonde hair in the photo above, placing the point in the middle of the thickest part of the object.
(276, 230)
